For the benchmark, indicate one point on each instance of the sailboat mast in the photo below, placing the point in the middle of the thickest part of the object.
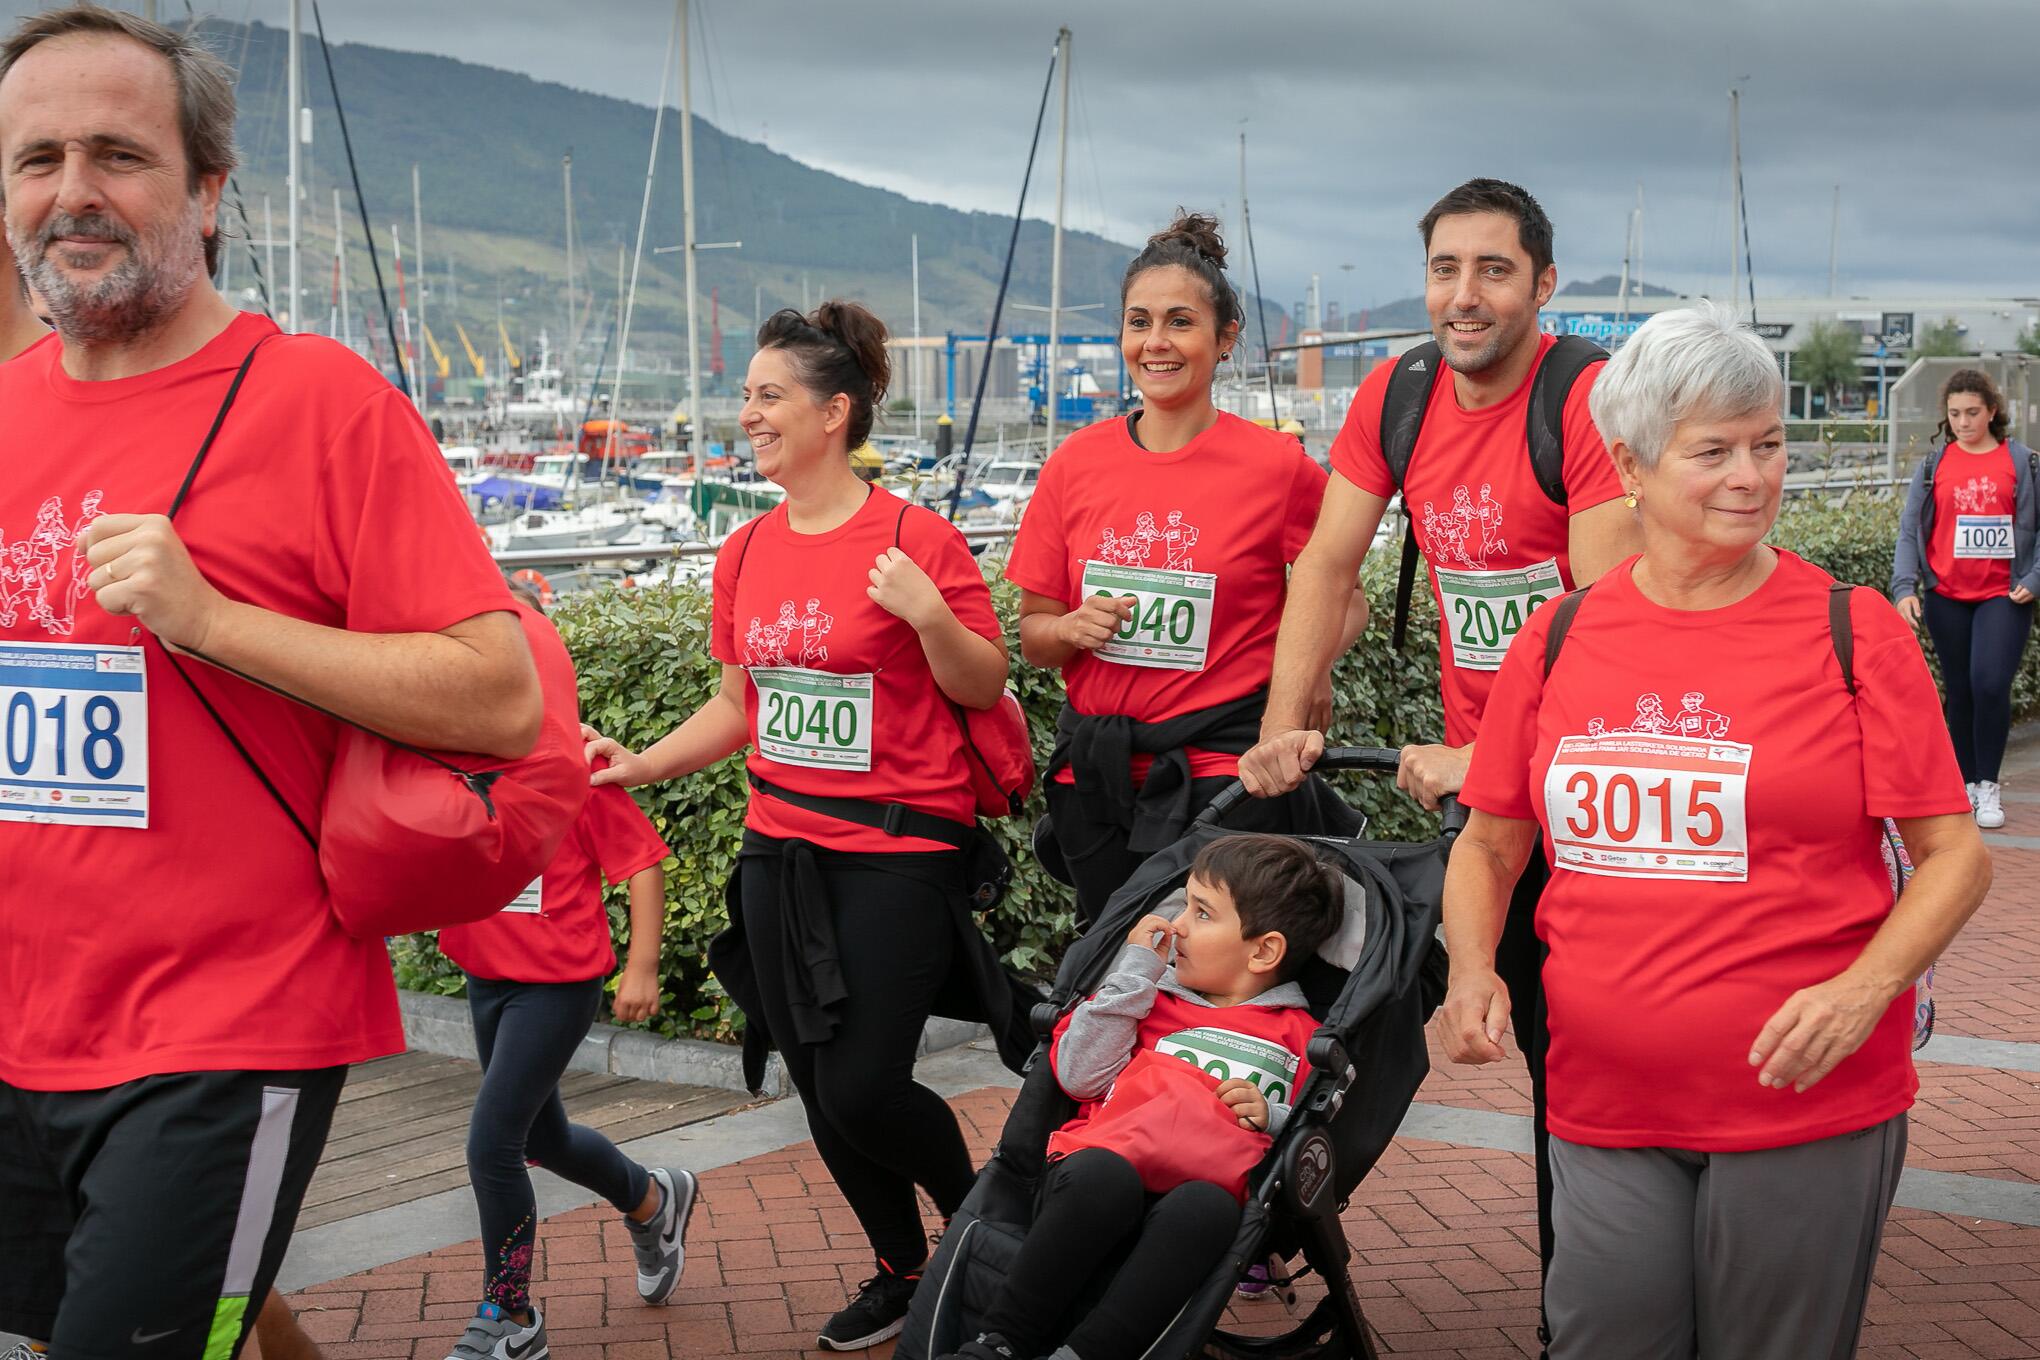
(1834, 238)
(297, 99)
(1735, 196)
(914, 368)
(418, 273)
(1051, 385)
(697, 425)
(340, 271)
(573, 316)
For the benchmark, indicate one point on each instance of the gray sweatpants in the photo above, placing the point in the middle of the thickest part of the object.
(1664, 1254)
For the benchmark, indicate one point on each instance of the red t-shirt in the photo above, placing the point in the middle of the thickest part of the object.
(850, 708)
(1481, 518)
(1971, 547)
(202, 940)
(1732, 730)
(1226, 513)
(557, 929)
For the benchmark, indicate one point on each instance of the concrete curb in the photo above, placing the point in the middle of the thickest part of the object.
(441, 1024)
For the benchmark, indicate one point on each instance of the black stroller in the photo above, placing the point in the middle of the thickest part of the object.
(1367, 1060)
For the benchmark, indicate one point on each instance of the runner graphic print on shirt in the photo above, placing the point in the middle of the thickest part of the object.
(1137, 548)
(1485, 601)
(1976, 496)
(1661, 799)
(1468, 534)
(30, 574)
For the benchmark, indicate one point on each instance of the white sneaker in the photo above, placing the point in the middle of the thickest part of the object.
(495, 1335)
(1990, 811)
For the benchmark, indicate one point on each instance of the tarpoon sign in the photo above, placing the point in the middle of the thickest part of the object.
(1606, 329)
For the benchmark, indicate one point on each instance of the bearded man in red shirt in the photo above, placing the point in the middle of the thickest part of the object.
(183, 1003)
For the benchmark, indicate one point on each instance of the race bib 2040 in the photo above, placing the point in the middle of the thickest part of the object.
(1226, 1054)
(1985, 536)
(814, 718)
(1637, 805)
(1171, 624)
(74, 734)
(1484, 610)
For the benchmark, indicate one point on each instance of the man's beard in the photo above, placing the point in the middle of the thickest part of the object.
(1501, 343)
(151, 282)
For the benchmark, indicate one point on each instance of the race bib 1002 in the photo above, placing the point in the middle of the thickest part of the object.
(1227, 1054)
(74, 734)
(814, 718)
(1635, 805)
(1985, 536)
(1171, 624)
(1484, 610)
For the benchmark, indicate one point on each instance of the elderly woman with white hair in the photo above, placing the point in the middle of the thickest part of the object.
(1708, 739)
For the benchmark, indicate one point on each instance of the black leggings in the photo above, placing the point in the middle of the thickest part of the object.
(1092, 1212)
(525, 1033)
(1098, 858)
(879, 1131)
(1980, 645)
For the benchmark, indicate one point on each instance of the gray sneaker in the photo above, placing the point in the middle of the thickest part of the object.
(660, 1241)
(495, 1335)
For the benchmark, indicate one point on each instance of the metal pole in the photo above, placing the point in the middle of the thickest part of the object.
(695, 434)
(915, 385)
(340, 268)
(268, 242)
(1051, 382)
(418, 284)
(297, 99)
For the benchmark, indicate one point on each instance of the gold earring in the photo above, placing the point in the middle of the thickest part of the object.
(1630, 500)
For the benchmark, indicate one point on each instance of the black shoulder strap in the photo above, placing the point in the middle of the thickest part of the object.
(1842, 630)
(1570, 356)
(1561, 624)
(1402, 421)
(900, 526)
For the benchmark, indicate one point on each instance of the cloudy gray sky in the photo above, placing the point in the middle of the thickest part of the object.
(1359, 114)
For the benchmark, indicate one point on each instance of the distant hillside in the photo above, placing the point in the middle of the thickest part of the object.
(489, 144)
(1609, 284)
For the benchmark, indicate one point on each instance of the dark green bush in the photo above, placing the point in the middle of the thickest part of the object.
(644, 667)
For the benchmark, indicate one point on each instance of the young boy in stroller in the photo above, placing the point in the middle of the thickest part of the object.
(1184, 1064)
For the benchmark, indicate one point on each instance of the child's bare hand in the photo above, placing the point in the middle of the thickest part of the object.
(1246, 1102)
(1154, 932)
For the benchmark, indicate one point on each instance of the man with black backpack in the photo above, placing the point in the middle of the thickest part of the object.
(1509, 494)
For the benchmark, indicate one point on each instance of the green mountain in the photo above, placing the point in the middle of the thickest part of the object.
(489, 145)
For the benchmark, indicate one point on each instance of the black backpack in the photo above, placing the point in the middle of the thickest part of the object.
(1402, 421)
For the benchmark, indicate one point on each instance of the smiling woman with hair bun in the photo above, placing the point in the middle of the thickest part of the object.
(850, 626)
(1153, 563)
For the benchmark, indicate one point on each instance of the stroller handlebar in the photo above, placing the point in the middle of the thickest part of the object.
(1379, 759)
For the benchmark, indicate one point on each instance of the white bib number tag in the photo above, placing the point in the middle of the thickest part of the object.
(1227, 1054)
(1633, 805)
(1985, 536)
(531, 901)
(814, 718)
(74, 734)
(1484, 610)
(1171, 624)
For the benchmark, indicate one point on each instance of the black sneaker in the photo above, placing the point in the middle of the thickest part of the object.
(878, 1312)
(988, 1346)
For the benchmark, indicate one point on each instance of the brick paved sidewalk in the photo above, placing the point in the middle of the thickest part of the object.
(1442, 1231)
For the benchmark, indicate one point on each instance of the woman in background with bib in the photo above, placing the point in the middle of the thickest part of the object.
(1153, 561)
(1968, 537)
(1729, 983)
(850, 626)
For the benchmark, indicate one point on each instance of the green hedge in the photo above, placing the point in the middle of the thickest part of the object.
(644, 666)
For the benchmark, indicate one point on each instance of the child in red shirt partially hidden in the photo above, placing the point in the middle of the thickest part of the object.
(1183, 1072)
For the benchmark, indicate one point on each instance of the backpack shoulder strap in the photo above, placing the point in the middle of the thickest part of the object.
(1842, 630)
(1403, 406)
(899, 528)
(1561, 624)
(1402, 420)
(1570, 356)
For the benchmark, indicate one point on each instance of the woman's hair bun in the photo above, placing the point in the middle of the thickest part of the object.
(863, 334)
(838, 347)
(1198, 231)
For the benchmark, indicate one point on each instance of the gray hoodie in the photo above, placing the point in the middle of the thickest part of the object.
(1102, 1031)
